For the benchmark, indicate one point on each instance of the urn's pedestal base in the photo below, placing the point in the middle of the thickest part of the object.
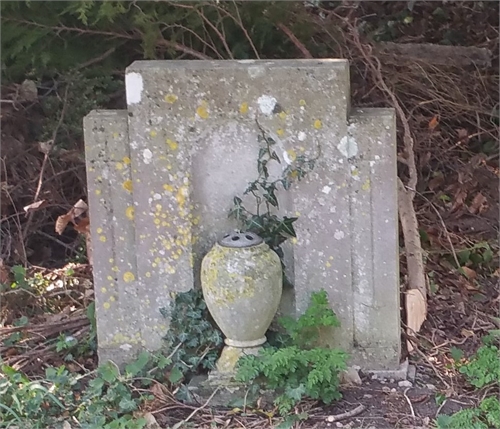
(226, 365)
(221, 391)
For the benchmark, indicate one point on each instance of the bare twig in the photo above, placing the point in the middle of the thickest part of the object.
(300, 46)
(337, 417)
(179, 424)
(46, 158)
(409, 402)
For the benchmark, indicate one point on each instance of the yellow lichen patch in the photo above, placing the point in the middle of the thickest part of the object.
(168, 187)
(172, 145)
(243, 108)
(280, 132)
(181, 196)
(317, 124)
(119, 166)
(102, 238)
(355, 172)
(366, 185)
(157, 221)
(130, 212)
(148, 274)
(163, 215)
(103, 290)
(127, 185)
(153, 133)
(328, 265)
(126, 160)
(294, 240)
(302, 102)
(165, 223)
(112, 298)
(171, 98)
(331, 258)
(98, 192)
(115, 269)
(175, 256)
(99, 230)
(115, 135)
(202, 111)
(128, 277)
(106, 305)
(110, 278)
(294, 174)
(169, 167)
(292, 155)
(179, 251)
(158, 207)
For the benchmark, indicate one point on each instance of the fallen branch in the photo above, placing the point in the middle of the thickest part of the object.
(442, 55)
(337, 417)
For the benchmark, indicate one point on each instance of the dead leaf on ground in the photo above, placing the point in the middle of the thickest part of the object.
(4, 272)
(463, 135)
(467, 333)
(469, 272)
(436, 181)
(82, 226)
(479, 204)
(35, 206)
(433, 123)
(459, 200)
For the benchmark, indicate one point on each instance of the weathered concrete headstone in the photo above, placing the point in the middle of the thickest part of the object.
(162, 176)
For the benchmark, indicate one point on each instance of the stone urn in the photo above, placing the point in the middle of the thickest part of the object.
(241, 279)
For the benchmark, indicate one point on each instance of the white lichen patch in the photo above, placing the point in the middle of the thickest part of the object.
(326, 189)
(339, 235)
(133, 88)
(267, 104)
(147, 156)
(348, 147)
(301, 136)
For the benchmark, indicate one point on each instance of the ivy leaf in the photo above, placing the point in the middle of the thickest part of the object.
(136, 367)
(270, 197)
(109, 372)
(287, 226)
(175, 375)
(275, 156)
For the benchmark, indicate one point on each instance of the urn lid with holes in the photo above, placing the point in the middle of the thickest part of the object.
(240, 239)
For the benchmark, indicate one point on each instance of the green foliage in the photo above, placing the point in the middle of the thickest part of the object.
(307, 330)
(484, 367)
(273, 229)
(49, 38)
(109, 399)
(193, 341)
(300, 369)
(106, 401)
(481, 370)
(486, 416)
(480, 255)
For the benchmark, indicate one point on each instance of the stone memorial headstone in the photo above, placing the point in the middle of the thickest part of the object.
(162, 176)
